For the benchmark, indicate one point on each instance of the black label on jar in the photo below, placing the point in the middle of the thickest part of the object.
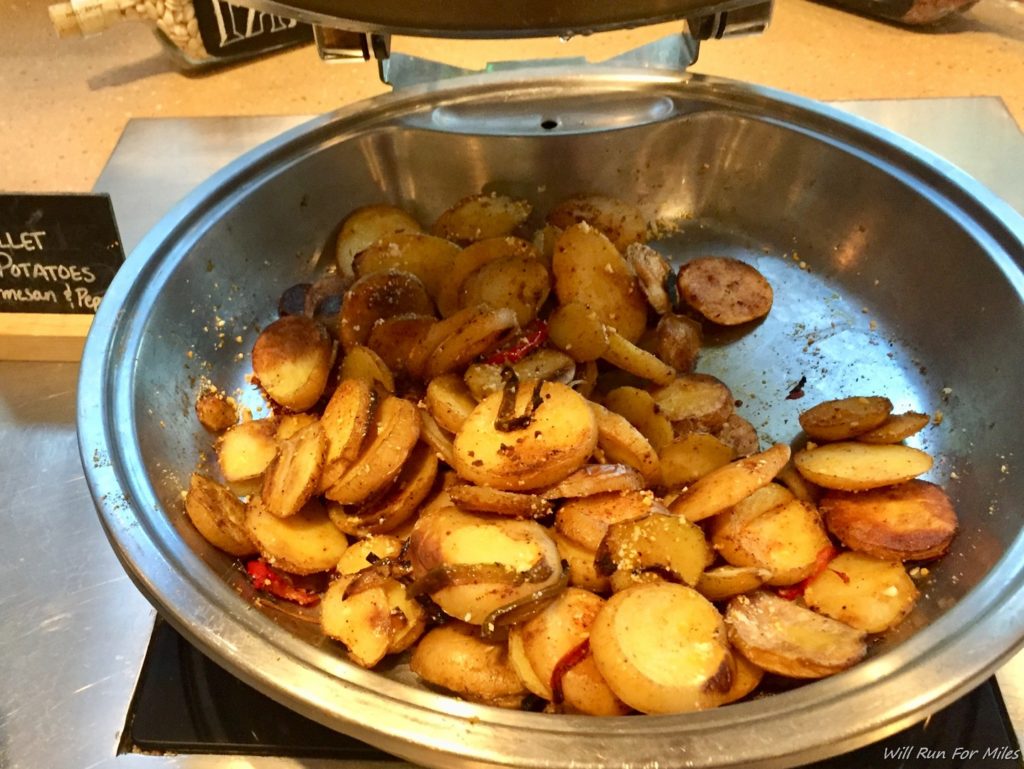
(229, 30)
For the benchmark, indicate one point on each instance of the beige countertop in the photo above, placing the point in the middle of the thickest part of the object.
(67, 101)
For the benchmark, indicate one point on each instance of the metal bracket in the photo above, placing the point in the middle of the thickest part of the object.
(675, 52)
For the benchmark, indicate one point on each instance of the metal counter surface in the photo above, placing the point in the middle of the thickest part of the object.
(73, 628)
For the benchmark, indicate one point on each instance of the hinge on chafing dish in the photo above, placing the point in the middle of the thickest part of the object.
(675, 52)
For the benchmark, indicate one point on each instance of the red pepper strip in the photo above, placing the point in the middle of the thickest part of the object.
(268, 579)
(569, 660)
(825, 555)
(534, 335)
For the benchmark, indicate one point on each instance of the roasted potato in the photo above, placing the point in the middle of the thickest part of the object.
(781, 637)
(853, 466)
(559, 435)
(911, 521)
(291, 360)
(662, 648)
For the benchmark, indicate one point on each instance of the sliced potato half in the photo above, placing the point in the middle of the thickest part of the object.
(853, 466)
(782, 637)
(838, 420)
(912, 521)
(486, 215)
(559, 438)
(662, 648)
(724, 487)
(864, 592)
(304, 543)
(218, 515)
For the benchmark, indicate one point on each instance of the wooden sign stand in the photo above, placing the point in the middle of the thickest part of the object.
(43, 337)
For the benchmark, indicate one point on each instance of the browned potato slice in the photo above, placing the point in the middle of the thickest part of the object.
(291, 360)
(624, 444)
(397, 430)
(479, 334)
(485, 500)
(913, 521)
(898, 427)
(738, 433)
(290, 424)
(362, 554)
(725, 291)
(621, 222)
(457, 340)
(653, 271)
(365, 226)
(596, 479)
(470, 260)
(394, 339)
(435, 436)
(781, 637)
(678, 341)
(637, 361)
(662, 648)
(247, 449)
(852, 466)
(785, 540)
(293, 476)
(725, 582)
(692, 456)
(551, 643)
(864, 592)
(376, 296)
(521, 283)
(482, 216)
(551, 365)
(544, 241)
(454, 658)
(218, 515)
(361, 621)
(585, 520)
(363, 363)
(838, 420)
(560, 437)
(346, 420)
(588, 269)
(580, 566)
(452, 538)
(639, 408)
(746, 678)
(304, 543)
(724, 487)
(449, 401)
(215, 411)
(700, 401)
(666, 545)
(802, 488)
(389, 511)
(427, 257)
(579, 331)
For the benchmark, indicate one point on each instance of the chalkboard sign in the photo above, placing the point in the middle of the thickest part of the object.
(58, 253)
(231, 30)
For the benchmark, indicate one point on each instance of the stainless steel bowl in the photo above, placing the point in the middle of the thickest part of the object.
(913, 288)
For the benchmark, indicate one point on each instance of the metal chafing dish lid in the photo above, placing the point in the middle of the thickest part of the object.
(470, 19)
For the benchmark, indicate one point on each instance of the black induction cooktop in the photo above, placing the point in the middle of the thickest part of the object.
(184, 703)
